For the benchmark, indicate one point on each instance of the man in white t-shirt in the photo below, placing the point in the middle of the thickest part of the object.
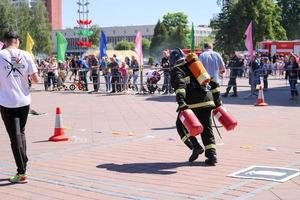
(15, 68)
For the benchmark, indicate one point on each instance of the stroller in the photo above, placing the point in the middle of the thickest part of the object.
(153, 77)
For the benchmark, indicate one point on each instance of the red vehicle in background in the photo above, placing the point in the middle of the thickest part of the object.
(280, 47)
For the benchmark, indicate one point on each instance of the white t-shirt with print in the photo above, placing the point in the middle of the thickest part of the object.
(15, 67)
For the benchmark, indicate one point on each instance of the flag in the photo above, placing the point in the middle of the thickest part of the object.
(103, 46)
(29, 43)
(138, 47)
(192, 39)
(249, 41)
(1, 45)
(61, 45)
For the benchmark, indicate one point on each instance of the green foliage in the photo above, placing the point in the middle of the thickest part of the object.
(232, 22)
(151, 61)
(173, 20)
(125, 45)
(178, 38)
(159, 40)
(24, 19)
(41, 31)
(172, 32)
(206, 39)
(146, 46)
(291, 17)
(95, 37)
(177, 28)
(7, 17)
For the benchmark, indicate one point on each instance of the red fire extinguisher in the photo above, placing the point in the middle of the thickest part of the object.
(225, 118)
(191, 122)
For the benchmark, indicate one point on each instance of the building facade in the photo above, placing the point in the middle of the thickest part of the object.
(115, 34)
(54, 8)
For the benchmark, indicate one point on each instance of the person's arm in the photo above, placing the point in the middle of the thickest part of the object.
(32, 69)
(178, 83)
(35, 78)
(221, 64)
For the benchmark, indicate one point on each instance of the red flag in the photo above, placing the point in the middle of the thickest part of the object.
(138, 47)
(249, 41)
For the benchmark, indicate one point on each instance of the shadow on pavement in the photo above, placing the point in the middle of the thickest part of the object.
(150, 168)
(162, 98)
(164, 128)
(278, 96)
(5, 182)
(42, 141)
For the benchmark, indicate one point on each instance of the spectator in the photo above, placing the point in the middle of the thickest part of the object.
(165, 64)
(52, 73)
(134, 65)
(106, 71)
(83, 70)
(235, 65)
(292, 69)
(94, 71)
(115, 73)
(74, 66)
(124, 74)
(213, 62)
(266, 70)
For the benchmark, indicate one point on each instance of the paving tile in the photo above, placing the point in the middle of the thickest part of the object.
(152, 162)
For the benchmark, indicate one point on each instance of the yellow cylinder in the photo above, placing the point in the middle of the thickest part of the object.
(197, 69)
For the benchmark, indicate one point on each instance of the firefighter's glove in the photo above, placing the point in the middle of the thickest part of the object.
(218, 103)
(182, 107)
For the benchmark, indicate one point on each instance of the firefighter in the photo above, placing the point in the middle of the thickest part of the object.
(195, 95)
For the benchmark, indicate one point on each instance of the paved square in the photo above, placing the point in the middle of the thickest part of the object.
(127, 147)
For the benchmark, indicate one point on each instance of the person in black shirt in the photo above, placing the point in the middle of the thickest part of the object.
(235, 65)
(292, 70)
(167, 75)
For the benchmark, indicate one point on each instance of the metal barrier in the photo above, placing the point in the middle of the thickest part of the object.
(85, 79)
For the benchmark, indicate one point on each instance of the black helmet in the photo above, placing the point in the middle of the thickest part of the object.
(176, 56)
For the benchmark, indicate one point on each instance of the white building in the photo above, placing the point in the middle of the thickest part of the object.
(115, 34)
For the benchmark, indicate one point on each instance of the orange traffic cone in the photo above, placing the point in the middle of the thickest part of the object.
(261, 98)
(59, 134)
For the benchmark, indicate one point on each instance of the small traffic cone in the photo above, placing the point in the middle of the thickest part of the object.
(59, 134)
(261, 98)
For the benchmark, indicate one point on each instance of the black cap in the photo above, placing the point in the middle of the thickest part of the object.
(11, 35)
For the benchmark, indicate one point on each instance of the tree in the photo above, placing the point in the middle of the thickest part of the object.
(173, 20)
(7, 17)
(146, 46)
(24, 19)
(95, 38)
(125, 45)
(159, 40)
(206, 39)
(224, 26)
(290, 17)
(41, 30)
(232, 22)
(177, 28)
(178, 38)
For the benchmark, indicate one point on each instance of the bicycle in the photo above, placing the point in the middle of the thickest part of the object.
(76, 84)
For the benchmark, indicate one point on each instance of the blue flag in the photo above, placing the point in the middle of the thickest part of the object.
(103, 47)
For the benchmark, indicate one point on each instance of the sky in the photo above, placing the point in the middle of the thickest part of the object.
(139, 12)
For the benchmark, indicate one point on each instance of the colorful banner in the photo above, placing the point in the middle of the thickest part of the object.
(103, 47)
(29, 43)
(249, 41)
(62, 44)
(138, 47)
